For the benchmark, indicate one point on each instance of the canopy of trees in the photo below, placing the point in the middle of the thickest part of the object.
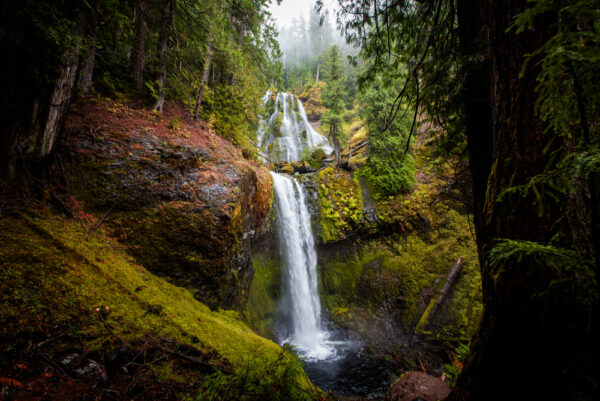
(215, 57)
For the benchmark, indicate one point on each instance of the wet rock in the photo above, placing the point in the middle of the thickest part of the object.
(84, 367)
(186, 207)
(302, 167)
(418, 386)
(286, 168)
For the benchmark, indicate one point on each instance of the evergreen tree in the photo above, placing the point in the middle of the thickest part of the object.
(390, 166)
(333, 97)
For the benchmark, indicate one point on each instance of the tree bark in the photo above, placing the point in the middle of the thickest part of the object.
(163, 44)
(60, 100)
(532, 343)
(317, 78)
(86, 65)
(336, 144)
(137, 56)
(203, 82)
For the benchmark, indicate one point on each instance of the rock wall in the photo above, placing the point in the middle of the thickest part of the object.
(183, 200)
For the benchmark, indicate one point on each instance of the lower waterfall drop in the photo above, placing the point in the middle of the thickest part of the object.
(300, 259)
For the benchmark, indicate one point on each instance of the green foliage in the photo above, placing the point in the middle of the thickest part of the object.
(314, 156)
(259, 380)
(567, 102)
(383, 171)
(390, 166)
(452, 370)
(414, 46)
(333, 93)
(556, 258)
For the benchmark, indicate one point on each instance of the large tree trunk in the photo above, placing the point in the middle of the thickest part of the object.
(476, 97)
(203, 82)
(534, 342)
(137, 56)
(163, 42)
(33, 118)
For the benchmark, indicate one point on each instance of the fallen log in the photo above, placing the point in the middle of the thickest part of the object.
(437, 301)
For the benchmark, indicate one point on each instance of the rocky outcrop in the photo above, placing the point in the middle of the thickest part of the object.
(183, 200)
(418, 386)
(311, 98)
(383, 259)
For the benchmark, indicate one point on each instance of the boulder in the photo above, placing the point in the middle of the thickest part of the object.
(418, 386)
(186, 205)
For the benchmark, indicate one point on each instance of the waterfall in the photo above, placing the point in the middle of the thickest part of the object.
(299, 255)
(286, 133)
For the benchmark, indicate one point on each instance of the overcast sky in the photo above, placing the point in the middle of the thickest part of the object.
(290, 9)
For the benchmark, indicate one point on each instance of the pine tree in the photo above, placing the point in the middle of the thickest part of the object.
(333, 98)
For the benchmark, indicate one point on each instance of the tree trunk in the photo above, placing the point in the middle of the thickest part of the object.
(533, 342)
(336, 144)
(435, 302)
(203, 83)
(317, 79)
(163, 43)
(137, 56)
(60, 100)
(86, 66)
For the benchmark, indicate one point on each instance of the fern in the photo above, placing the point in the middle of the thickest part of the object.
(557, 258)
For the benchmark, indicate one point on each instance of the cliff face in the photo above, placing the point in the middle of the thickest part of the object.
(184, 201)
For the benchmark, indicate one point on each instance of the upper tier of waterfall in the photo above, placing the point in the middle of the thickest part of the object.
(286, 133)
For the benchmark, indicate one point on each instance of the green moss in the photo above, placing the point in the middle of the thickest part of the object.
(175, 123)
(60, 275)
(400, 270)
(265, 291)
(340, 204)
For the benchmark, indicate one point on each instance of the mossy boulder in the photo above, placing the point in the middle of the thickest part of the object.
(286, 168)
(187, 205)
(302, 167)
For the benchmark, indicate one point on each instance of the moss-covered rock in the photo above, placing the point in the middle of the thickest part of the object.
(187, 204)
(72, 298)
(387, 282)
(265, 292)
(311, 99)
(382, 258)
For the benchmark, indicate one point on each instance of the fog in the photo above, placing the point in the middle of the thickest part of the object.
(305, 35)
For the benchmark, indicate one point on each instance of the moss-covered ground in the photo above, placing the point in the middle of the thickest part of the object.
(66, 286)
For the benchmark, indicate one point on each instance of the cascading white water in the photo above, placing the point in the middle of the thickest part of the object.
(298, 253)
(287, 132)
